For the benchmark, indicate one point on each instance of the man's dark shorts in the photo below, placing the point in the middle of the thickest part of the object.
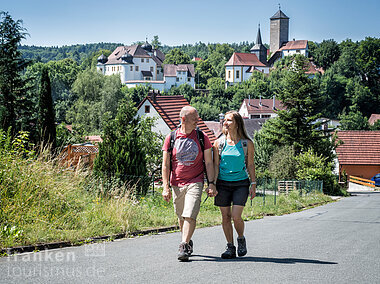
(232, 191)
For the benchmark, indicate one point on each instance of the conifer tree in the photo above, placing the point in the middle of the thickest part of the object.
(46, 116)
(124, 150)
(12, 87)
(296, 126)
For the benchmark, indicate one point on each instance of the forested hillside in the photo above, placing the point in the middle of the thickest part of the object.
(78, 52)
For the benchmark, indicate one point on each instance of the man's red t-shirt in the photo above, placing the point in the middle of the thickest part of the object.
(187, 158)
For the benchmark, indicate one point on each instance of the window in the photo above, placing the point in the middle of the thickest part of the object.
(188, 79)
(147, 109)
(229, 74)
(265, 116)
(177, 79)
(136, 68)
(237, 74)
(131, 68)
(142, 59)
(151, 69)
(255, 116)
(298, 51)
(147, 60)
(158, 71)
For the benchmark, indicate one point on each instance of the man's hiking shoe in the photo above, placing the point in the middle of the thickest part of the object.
(242, 247)
(183, 252)
(230, 252)
(191, 245)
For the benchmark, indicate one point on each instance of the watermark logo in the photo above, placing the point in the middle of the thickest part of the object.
(95, 250)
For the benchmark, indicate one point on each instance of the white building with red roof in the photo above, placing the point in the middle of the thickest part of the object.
(241, 65)
(166, 109)
(260, 108)
(143, 65)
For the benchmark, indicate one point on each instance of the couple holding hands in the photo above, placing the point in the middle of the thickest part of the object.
(229, 164)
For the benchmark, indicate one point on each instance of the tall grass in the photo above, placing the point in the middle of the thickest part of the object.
(40, 202)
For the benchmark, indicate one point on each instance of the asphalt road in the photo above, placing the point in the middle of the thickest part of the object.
(335, 243)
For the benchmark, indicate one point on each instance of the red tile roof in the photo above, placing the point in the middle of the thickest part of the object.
(295, 44)
(169, 108)
(374, 117)
(266, 106)
(359, 148)
(313, 69)
(170, 70)
(244, 59)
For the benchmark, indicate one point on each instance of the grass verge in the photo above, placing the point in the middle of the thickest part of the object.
(40, 203)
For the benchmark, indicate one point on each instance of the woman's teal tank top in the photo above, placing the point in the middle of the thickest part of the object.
(232, 163)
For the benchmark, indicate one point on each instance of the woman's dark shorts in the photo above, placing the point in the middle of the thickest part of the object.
(232, 191)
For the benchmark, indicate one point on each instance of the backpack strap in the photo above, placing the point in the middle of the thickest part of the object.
(173, 136)
(244, 143)
(221, 144)
(201, 138)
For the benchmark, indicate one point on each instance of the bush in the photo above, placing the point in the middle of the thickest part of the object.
(282, 164)
(310, 166)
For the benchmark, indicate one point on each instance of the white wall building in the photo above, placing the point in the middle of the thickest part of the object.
(142, 65)
(260, 108)
(240, 67)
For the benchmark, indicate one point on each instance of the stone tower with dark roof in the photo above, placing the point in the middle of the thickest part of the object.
(279, 30)
(259, 49)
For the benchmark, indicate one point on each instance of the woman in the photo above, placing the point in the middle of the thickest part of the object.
(235, 172)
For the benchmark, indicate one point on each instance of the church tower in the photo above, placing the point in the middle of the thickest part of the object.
(259, 49)
(279, 30)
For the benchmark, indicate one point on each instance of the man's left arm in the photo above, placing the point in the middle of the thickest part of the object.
(211, 190)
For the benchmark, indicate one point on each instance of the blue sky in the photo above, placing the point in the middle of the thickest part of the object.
(176, 22)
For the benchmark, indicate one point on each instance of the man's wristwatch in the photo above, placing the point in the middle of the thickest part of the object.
(211, 182)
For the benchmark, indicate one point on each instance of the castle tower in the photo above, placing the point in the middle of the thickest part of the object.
(259, 49)
(279, 30)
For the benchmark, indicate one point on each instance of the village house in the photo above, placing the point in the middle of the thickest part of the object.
(374, 117)
(166, 109)
(260, 108)
(143, 65)
(359, 154)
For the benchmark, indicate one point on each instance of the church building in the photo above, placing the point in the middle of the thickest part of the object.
(240, 66)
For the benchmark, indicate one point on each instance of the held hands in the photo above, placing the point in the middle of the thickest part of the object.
(252, 191)
(211, 190)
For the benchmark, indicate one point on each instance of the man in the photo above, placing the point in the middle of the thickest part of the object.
(185, 171)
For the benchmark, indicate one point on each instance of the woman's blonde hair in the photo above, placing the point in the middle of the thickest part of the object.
(241, 131)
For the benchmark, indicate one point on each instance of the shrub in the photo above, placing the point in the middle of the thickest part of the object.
(311, 166)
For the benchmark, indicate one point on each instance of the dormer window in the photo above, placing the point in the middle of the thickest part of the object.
(147, 109)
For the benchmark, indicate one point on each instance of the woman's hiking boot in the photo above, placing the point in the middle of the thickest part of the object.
(242, 246)
(183, 251)
(230, 251)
